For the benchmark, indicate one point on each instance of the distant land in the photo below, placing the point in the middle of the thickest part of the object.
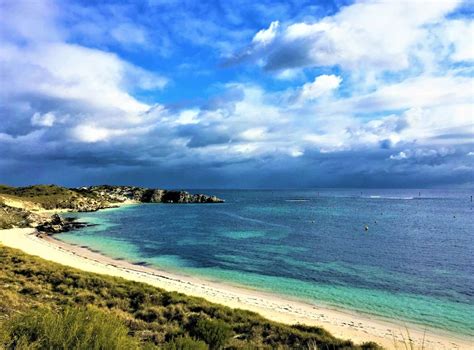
(31, 206)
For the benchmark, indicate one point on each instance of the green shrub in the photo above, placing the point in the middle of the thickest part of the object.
(72, 328)
(155, 317)
(215, 333)
(185, 343)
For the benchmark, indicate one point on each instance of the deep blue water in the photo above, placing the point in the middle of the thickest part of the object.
(415, 263)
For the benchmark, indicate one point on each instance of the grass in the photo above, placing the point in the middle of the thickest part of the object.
(38, 297)
(49, 196)
(11, 217)
(73, 328)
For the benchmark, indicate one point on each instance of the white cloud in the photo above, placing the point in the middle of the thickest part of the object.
(289, 74)
(389, 106)
(421, 153)
(401, 155)
(89, 86)
(84, 74)
(458, 35)
(94, 133)
(265, 36)
(296, 152)
(189, 116)
(254, 134)
(46, 119)
(322, 85)
(368, 35)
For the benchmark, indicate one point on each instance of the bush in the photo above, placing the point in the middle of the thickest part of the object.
(154, 317)
(73, 328)
(215, 333)
(185, 343)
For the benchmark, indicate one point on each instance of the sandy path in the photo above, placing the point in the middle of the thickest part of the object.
(348, 325)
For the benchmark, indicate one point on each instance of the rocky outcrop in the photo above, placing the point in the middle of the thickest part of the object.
(84, 199)
(57, 224)
(11, 217)
(185, 197)
(82, 204)
(113, 194)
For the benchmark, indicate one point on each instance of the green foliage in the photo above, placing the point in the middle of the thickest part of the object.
(216, 333)
(185, 343)
(12, 217)
(72, 328)
(153, 317)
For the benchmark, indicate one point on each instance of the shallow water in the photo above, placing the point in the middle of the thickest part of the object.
(415, 263)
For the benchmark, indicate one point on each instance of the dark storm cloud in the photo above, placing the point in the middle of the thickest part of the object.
(201, 136)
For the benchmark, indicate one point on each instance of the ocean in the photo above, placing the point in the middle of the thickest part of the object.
(414, 263)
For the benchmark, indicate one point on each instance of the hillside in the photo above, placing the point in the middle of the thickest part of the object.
(43, 304)
(52, 197)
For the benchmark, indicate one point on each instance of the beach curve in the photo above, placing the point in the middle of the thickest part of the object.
(348, 325)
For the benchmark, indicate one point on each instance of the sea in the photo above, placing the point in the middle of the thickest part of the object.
(400, 254)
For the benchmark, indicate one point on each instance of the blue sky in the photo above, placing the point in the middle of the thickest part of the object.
(237, 94)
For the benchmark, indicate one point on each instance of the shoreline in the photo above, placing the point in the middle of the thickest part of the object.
(344, 324)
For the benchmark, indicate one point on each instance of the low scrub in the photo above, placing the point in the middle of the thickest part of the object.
(72, 328)
(41, 303)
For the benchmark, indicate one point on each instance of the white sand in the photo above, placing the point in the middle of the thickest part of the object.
(347, 325)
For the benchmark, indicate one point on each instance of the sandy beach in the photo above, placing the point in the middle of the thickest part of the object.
(348, 325)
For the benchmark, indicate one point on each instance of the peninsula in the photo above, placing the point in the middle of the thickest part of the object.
(32, 206)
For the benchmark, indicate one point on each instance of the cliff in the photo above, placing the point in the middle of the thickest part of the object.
(112, 194)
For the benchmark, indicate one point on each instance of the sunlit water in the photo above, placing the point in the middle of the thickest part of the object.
(415, 263)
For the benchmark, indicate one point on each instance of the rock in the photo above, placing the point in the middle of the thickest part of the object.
(109, 194)
(56, 224)
(86, 199)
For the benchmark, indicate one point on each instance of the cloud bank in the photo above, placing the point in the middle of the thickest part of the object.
(373, 94)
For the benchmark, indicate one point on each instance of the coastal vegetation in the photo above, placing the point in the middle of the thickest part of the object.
(11, 217)
(47, 305)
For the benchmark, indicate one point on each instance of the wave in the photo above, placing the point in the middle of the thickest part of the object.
(251, 219)
(382, 197)
(296, 200)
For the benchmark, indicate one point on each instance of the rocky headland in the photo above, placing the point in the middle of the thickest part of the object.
(108, 193)
(32, 206)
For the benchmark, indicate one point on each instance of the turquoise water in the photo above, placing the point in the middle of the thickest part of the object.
(414, 264)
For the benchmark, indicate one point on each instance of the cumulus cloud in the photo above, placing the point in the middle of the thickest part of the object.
(401, 155)
(353, 102)
(93, 133)
(457, 36)
(321, 86)
(368, 35)
(73, 90)
(46, 119)
(265, 36)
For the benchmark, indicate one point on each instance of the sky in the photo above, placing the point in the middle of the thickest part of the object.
(237, 93)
